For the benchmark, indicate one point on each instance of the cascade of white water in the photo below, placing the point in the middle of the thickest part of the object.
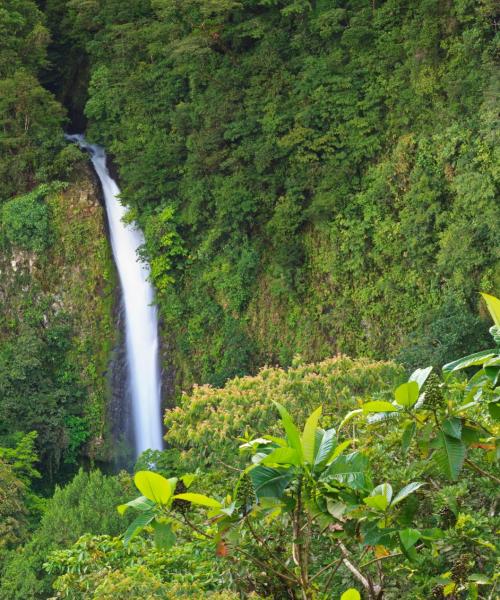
(141, 329)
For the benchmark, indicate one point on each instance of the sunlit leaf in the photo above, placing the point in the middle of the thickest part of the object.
(350, 594)
(377, 406)
(141, 503)
(326, 447)
(154, 486)
(407, 394)
(199, 499)
(281, 456)
(493, 305)
(309, 435)
(420, 376)
(478, 358)
(292, 433)
(406, 491)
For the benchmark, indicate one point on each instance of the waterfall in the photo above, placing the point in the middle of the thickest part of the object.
(141, 318)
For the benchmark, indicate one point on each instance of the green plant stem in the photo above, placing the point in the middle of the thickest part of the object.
(474, 467)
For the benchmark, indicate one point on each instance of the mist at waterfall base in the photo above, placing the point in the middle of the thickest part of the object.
(141, 318)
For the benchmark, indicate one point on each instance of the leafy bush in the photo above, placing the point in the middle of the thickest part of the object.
(216, 418)
(86, 505)
(26, 221)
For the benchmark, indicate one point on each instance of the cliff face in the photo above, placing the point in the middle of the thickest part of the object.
(59, 310)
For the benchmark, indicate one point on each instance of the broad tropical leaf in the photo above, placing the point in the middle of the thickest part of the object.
(450, 456)
(349, 469)
(154, 486)
(309, 435)
(380, 497)
(138, 525)
(420, 376)
(140, 503)
(407, 394)
(350, 594)
(453, 427)
(493, 305)
(292, 433)
(377, 406)
(199, 499)
(326, 446)
(281, 456)
(409, 537)
(339, 449)
(270, 483)
(350, 415)
(407, 437)
(472, 360)
(406, 491)
(164, 537)
(384, 416)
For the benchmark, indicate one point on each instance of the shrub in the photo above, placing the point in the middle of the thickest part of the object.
(26, 220)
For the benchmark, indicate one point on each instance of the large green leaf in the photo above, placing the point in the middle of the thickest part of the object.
(309, 435)
(164, 537)
(326, 446)
(453, 427)
(408, 435)
(409, 537)
(154, 486)
(450, 455)
(350, 594)
(199, 499)
(380, 497)
(270, 483)
(472, 360)
(350, 415)
(292, 433)
(140, 503)
(339, 449)
(494, 410)
(407, 394)
(377, 406)
(282, 456)
(349, 469)
(493, 305)
(138, 525)
(420, 376)
(406, 491)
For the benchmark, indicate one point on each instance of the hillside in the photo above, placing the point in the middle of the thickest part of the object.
(312, 177)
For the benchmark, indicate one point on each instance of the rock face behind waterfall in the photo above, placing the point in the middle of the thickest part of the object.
(74, 280)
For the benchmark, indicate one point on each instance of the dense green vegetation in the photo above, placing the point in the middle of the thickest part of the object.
(56, 277)
(314, 178)
(395, 497)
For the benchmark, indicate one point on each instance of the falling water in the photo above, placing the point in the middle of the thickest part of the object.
(141, 319)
